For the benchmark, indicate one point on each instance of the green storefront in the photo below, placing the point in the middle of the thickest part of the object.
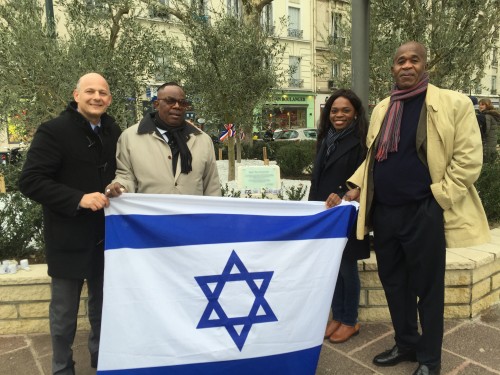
(290, 110)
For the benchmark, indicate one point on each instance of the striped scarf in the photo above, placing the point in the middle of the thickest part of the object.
(333, 137)
(390, 132)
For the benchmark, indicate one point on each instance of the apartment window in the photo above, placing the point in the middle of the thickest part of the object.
(200, 6)
(493, 85)
(494, 57)
(336, 70)
(160, 11)
(162, 68)
(478, 89)
(199, 9)
(266, 18)
(97, 4)
(294, 30)
(294, 66)
(234, 7)
(337, 35)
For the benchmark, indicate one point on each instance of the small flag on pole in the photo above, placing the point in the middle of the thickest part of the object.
(229, 132)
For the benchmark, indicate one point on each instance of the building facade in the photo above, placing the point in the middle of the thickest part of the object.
(313, 27)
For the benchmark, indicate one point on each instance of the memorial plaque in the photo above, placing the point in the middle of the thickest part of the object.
(255, 179)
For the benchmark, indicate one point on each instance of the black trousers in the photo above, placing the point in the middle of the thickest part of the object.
(410, 247)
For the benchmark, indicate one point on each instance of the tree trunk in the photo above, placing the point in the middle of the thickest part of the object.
(238, 149)
(230, 159)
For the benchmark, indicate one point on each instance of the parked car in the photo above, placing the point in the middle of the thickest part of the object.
(302, 134)
(277, 133)
(10, 155)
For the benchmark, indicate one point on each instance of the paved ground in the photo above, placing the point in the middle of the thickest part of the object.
(471, 347)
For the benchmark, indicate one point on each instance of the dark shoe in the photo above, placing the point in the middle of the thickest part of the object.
(331, 327)
(344, 333)
(425, 370)
(394, 356)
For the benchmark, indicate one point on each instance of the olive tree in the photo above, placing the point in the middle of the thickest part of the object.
(227, 65)
(39, 69)
(459, 36)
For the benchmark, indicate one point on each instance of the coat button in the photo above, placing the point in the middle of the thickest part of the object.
(175, 184)
(169, 157)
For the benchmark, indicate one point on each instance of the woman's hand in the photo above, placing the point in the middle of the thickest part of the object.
(352, 195)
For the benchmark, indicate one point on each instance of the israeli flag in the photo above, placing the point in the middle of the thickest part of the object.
(218, 286)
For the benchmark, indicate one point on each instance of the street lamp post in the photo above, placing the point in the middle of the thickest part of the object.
(360, 49)
(51, 25)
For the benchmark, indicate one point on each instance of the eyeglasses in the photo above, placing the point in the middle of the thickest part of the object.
(183, 103)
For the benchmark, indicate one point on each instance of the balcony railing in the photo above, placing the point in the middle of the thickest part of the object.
(295, 33)
(295, 82)
(334, 40)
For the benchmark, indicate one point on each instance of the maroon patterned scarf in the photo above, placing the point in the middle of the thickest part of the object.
(391, 126)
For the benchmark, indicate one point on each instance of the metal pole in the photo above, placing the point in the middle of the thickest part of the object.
(51, 24)
(360, 48)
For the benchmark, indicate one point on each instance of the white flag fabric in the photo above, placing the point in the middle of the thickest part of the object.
(218, 286)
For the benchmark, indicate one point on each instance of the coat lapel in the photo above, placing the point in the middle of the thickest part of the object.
(344, 146)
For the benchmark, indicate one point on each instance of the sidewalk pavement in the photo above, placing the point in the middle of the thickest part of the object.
(470, 347)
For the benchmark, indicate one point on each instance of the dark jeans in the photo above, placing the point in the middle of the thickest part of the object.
(411, 256)
(346, 297)
(63, 313)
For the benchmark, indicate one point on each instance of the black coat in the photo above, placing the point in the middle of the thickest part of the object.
(66, 160)
(331, 177)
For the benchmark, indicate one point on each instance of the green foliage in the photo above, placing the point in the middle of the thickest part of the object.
(20, 227)
(294, 158)
(11, 173)
(20, 218)
(446, 28)
(255, 150)
(294, 193)
(228, 66)
(229, 193)
(39, 70)
(488, 186)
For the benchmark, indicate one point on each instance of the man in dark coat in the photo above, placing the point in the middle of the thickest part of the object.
(70, 161)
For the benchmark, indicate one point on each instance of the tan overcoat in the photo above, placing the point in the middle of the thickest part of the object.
(453, 149)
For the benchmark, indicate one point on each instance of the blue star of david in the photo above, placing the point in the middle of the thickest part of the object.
(260, 312)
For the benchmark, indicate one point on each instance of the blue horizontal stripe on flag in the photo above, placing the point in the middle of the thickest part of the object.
(152, 231)
(303, 362)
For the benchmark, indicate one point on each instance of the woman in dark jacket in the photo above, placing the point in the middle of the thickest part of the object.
(340, 150)
(492, 122)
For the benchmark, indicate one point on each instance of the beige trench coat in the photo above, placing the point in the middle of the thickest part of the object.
(144, 165)
(454, 157)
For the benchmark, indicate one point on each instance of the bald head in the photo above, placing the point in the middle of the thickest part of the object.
(92, 77)
(92, 96)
